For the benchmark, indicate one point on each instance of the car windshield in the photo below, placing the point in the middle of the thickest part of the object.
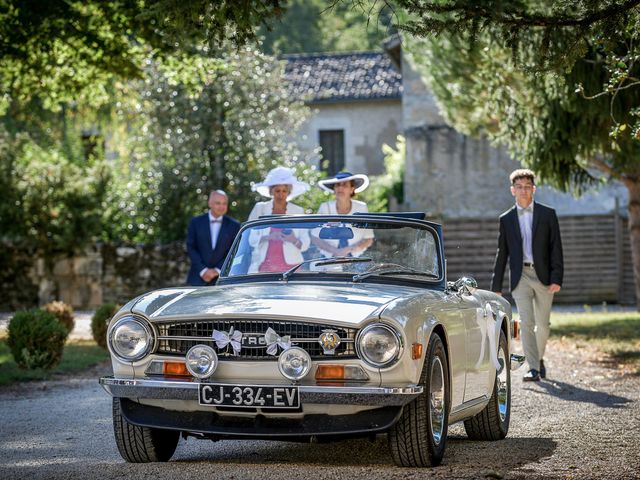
(360, 247)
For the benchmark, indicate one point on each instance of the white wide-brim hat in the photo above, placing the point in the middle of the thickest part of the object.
(281, 176)
(360, 181)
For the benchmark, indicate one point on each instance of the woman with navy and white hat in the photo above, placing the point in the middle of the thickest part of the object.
(277, 249)
(344, 185)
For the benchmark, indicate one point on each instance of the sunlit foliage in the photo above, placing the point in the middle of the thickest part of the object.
(197, 124)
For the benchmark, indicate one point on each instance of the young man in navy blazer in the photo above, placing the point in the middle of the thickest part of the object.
(209, 239)
(530, 239)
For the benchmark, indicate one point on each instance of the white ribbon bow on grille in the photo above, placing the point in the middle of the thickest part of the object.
(234, 337)
(274, 341)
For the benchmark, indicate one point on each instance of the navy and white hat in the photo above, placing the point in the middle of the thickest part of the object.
(360, 181)
(281, 176)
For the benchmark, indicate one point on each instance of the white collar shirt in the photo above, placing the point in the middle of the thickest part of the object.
(525, 219)
(214, 225)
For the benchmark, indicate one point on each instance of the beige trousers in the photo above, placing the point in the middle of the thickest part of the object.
(533, 301)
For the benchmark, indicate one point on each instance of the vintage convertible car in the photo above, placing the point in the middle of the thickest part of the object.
(362, 335)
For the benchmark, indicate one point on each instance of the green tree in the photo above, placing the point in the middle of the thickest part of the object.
(388, 187)
(53, 201)
(324, 26)
(71, 50)
(199, 124)
(561, 94)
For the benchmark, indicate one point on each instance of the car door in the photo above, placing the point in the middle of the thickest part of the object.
(478, 366)
(464, 340)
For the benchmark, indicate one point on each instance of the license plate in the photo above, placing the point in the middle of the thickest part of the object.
(248, 396)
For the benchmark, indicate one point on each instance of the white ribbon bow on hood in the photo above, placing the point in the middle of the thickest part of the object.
(234, 337)
(274, 341)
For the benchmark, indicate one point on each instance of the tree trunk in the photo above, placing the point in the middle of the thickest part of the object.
(633, 185)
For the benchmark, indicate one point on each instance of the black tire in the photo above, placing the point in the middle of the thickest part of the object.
(142, 444)
(492, 423)
(419, 437)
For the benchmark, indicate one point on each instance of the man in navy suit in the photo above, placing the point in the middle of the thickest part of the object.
(209, 239)
(530, 238)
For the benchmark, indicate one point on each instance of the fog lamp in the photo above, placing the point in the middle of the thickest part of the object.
(294, 363)
(201, 361)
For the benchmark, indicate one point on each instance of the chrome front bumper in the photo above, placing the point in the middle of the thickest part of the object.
(169, 389)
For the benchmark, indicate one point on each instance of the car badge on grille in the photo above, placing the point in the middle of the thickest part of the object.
(274, 341)
(224, 339)
(253, 340)
(329, 340)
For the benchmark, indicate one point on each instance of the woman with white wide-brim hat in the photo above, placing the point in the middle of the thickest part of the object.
(276, 249)
(344, 185)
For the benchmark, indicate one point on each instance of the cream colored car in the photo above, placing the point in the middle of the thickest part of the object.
(364, 336)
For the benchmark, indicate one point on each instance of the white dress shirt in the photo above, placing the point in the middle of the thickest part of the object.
(525, 219)
(215, 224)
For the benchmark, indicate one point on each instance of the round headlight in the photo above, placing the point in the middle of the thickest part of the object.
(294, 363)
(378, 345)
(202, 361)
(131, 338)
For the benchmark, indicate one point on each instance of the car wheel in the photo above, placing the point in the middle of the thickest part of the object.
(419, 437)
(142, 444)
(492, 423)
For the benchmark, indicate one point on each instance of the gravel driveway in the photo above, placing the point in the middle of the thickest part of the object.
(583, 422)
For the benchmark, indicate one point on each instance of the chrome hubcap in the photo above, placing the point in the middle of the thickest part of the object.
(502, 381)
(436, 400)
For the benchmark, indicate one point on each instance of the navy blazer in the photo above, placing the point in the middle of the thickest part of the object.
(546, 245)
(199, 245)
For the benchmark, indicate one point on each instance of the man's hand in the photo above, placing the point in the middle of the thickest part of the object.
(554, 288)
(498, 293)
(210, 275)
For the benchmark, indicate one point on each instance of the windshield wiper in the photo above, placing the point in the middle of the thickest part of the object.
(395, 270)
(324, 261)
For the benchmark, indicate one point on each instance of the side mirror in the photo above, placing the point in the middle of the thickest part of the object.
(465, 285)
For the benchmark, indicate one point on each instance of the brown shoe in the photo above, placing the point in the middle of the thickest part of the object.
(531, 376)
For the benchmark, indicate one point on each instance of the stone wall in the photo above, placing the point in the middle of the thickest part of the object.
(103, 273)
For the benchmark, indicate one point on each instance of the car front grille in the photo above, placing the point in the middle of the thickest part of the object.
(177, 338)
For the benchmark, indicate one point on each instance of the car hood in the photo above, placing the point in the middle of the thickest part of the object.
(343, 303)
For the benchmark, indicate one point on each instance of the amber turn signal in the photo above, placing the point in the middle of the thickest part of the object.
(416, 351)
(330, 372)
(337, 372)
(175, 368)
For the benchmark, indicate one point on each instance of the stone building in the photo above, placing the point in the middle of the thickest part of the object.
(362, 100)
(357, 103)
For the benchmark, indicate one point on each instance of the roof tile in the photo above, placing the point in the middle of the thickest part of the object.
(342, 77)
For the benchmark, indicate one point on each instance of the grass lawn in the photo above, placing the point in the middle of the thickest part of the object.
(614, 333)
(78, 355)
